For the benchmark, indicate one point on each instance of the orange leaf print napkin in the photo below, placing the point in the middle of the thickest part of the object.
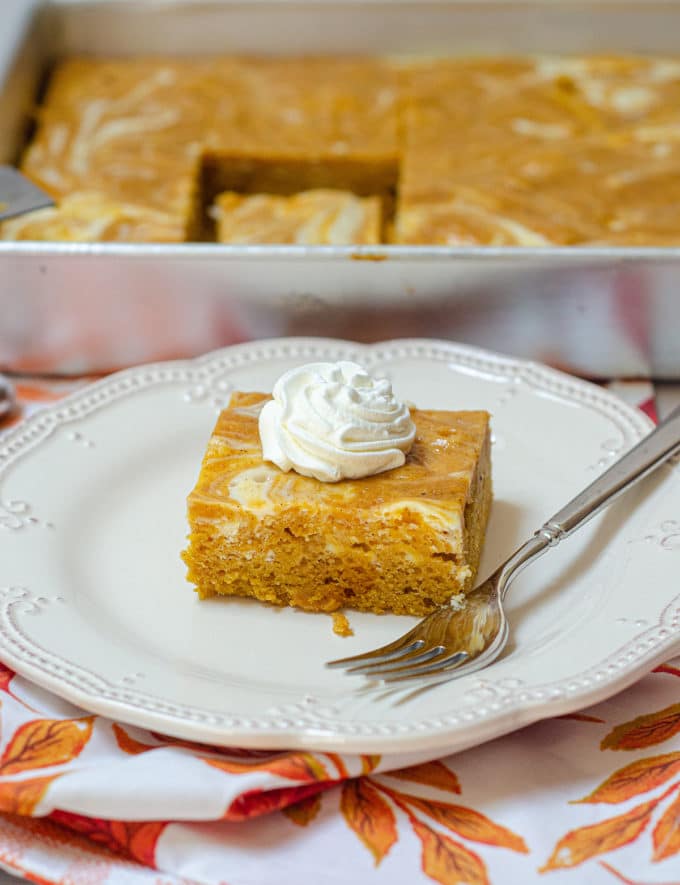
(588, 797)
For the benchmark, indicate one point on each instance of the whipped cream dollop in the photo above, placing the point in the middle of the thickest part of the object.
(332, 421)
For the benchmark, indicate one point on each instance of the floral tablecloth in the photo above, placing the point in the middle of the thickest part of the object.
(592, 797)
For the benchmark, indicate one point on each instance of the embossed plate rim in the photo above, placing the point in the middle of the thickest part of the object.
(309, 729)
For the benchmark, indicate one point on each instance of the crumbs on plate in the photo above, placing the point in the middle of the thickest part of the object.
(341, 625)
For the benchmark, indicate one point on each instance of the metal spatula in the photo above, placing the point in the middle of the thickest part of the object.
(19, 195)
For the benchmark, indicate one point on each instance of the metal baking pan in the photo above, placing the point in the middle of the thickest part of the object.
(64, 307)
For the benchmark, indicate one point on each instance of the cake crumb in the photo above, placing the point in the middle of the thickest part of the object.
(341, 625)
(457, 602)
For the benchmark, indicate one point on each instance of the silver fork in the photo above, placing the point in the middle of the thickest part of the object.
(469, 634)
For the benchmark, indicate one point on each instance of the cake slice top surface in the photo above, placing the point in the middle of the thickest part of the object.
(439, 469)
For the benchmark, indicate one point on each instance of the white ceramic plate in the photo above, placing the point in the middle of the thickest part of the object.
(94, 604)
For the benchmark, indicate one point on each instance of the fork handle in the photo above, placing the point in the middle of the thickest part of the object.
(642, 459)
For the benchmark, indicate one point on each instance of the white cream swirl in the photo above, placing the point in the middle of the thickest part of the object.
(332, 421)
